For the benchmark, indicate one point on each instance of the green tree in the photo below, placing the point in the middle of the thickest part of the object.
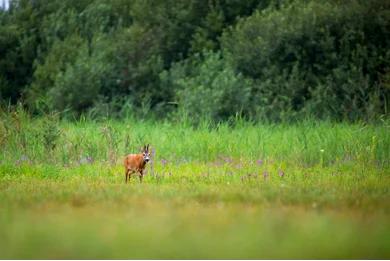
(314, 58)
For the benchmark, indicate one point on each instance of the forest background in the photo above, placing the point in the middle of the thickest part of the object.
(264, 60)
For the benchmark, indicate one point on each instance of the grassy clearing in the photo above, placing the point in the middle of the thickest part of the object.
(312, 190)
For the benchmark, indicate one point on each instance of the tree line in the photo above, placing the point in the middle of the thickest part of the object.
(264, 60)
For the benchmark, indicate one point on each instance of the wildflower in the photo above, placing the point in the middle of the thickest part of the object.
(86, 160)
(281, 173)
(259, 162)
(23, 159)
(265, 174)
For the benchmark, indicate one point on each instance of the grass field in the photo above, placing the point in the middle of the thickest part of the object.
(309, 190)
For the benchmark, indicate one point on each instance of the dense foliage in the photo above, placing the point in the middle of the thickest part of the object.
(261, 59)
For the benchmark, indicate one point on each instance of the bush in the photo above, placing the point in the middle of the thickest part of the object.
(79, 85)
(207, 87)
(316, 58)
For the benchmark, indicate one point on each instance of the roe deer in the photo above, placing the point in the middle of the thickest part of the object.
(136, 163)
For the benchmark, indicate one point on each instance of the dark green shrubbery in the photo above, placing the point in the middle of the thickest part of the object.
(315, 58)
(261, 59)
(207, 87)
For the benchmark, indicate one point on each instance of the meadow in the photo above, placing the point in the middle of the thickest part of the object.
(230, 190)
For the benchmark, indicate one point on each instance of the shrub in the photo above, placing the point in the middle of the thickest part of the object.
(318, 58)
(80, 84)
(207, 87)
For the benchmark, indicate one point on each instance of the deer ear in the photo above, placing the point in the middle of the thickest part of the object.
(147, 147)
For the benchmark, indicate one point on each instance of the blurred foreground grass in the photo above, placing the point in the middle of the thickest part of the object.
(314, 190)
(183, 212)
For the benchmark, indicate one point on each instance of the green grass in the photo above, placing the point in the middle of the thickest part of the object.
(310, 190)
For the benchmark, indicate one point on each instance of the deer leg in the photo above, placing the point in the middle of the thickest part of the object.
(130, 173)
(126, 174)
(141, 176)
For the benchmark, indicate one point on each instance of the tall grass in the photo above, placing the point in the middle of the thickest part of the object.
(50, 140)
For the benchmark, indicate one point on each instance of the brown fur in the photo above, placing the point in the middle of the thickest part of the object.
(134, 163)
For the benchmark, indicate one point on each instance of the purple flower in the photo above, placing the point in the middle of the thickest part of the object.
(22, 160)
(281, 173)
(265, 174)
(89, 159)
(259, 162)
(164, 162)
(85, 160)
